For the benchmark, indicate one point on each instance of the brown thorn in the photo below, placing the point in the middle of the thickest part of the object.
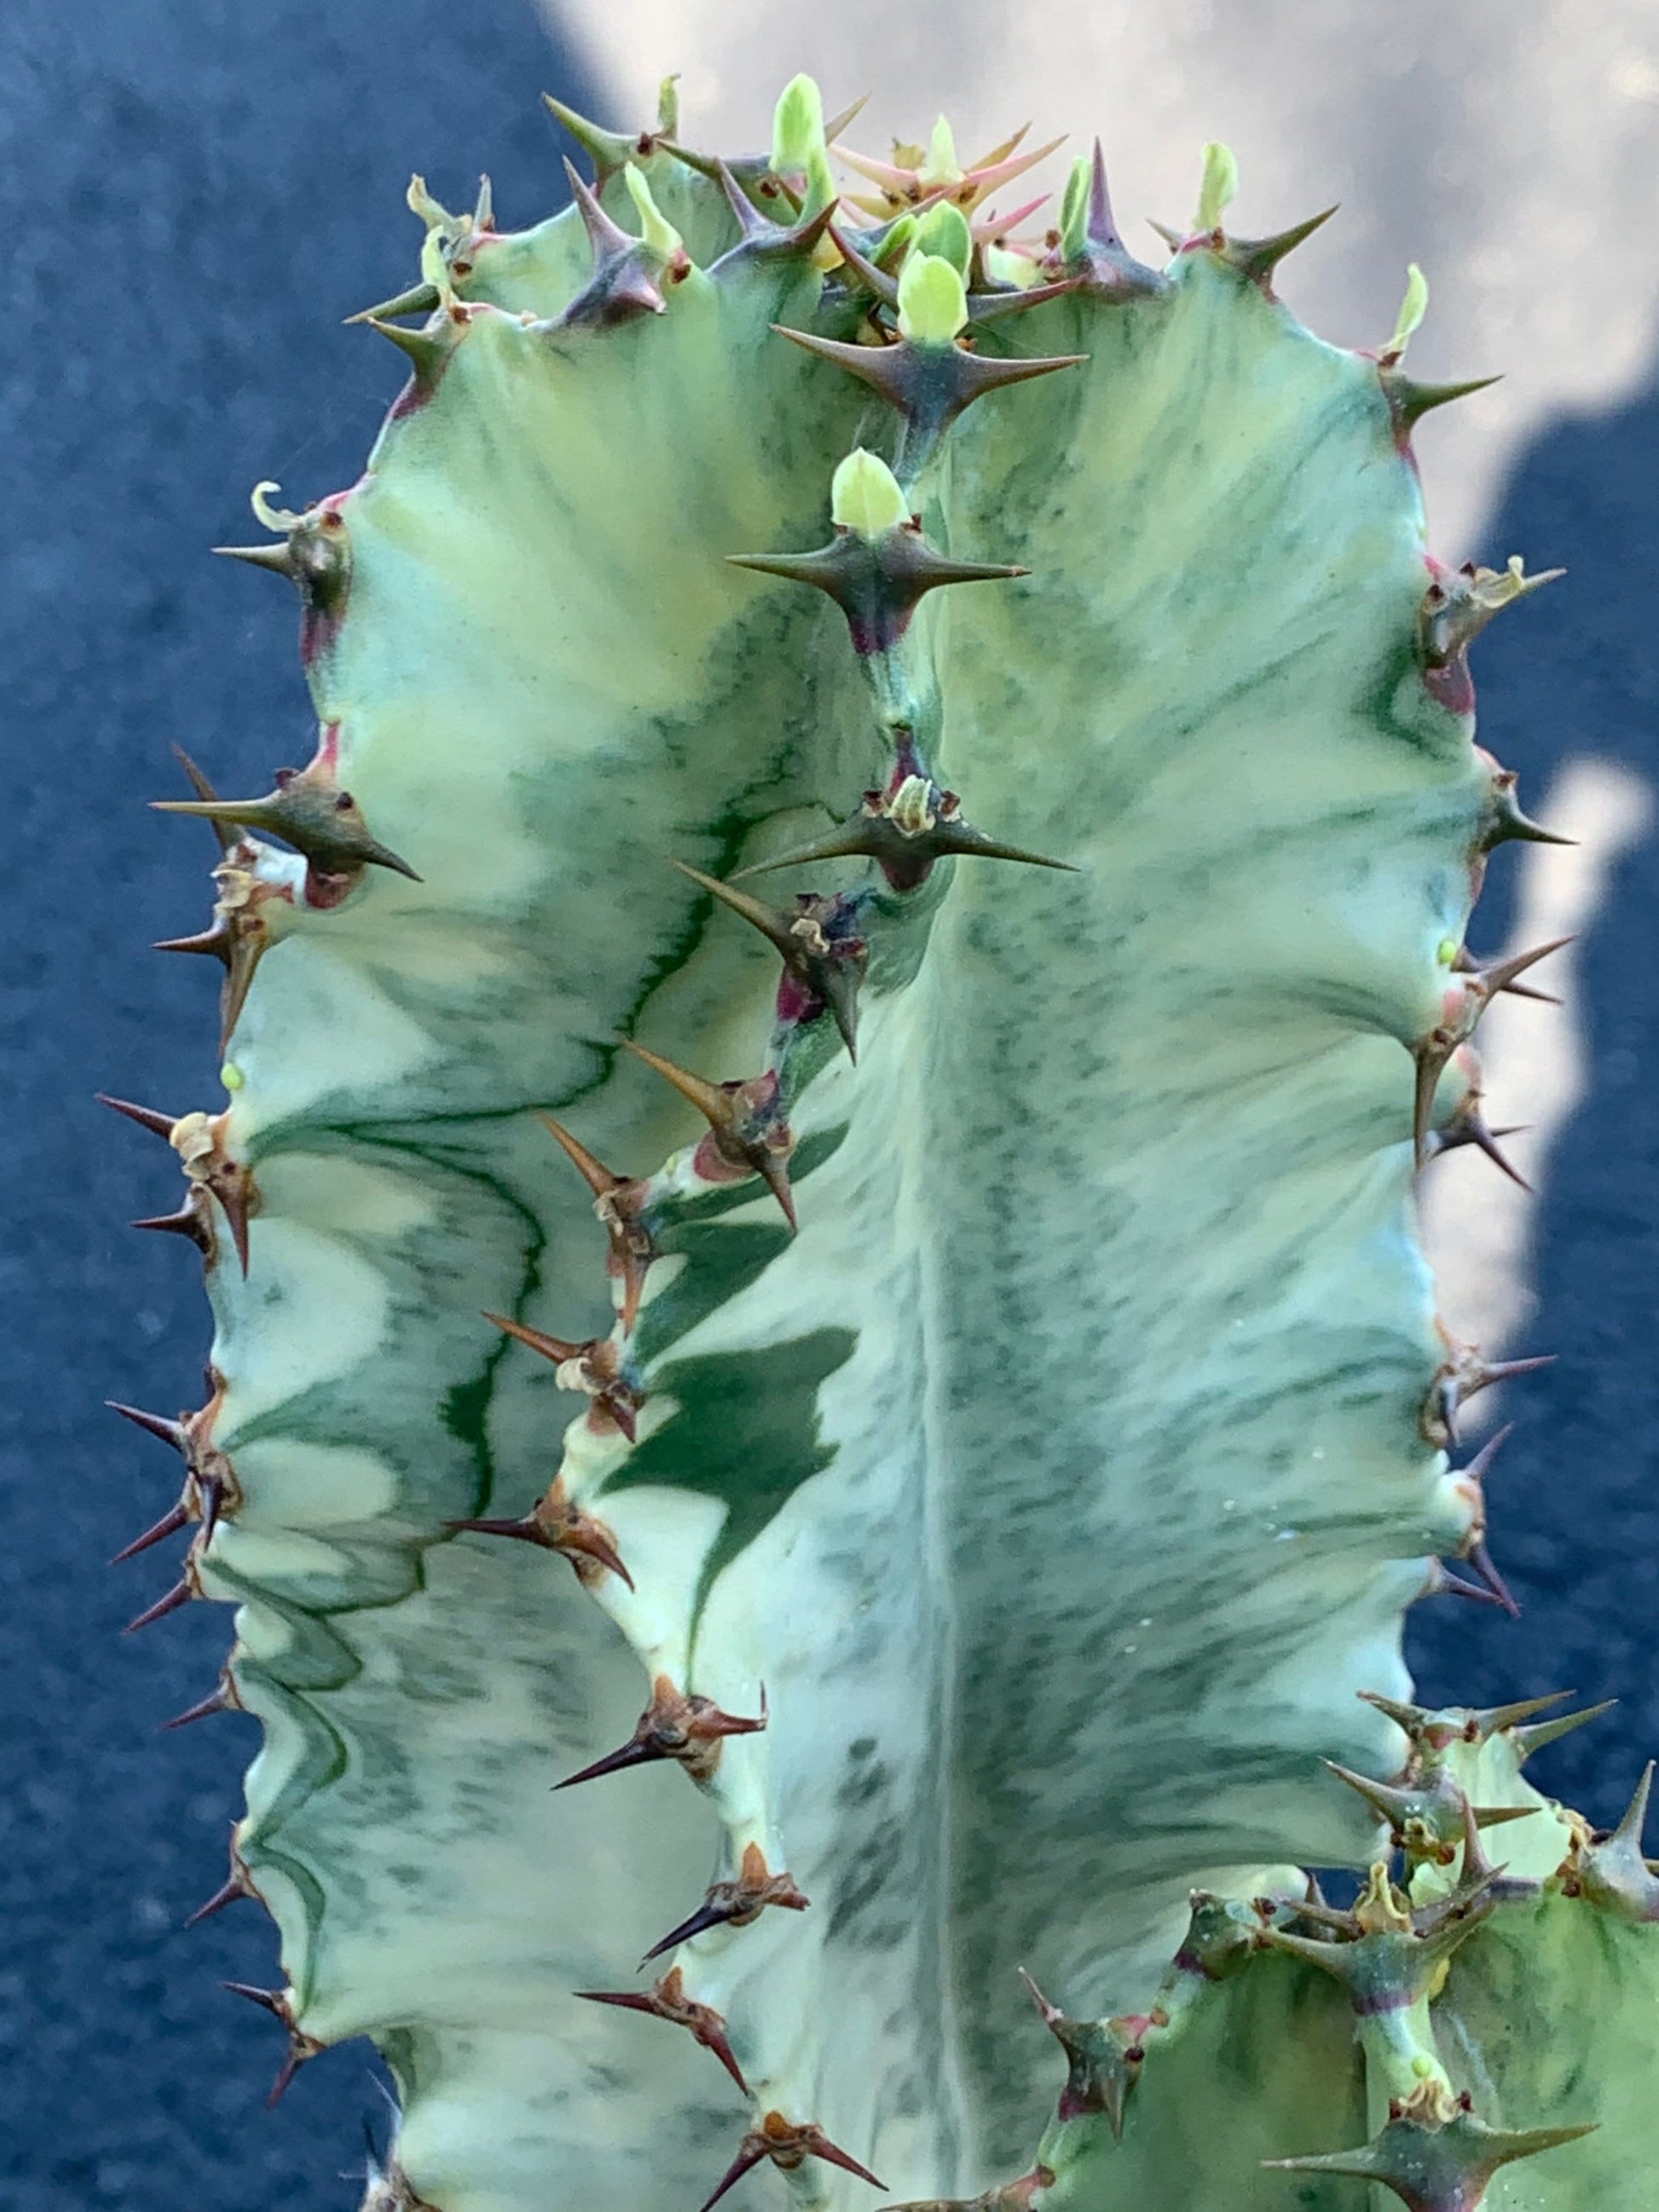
(687, 1727)
(714, 2037)
(147, 1117)
(876, 837)
(419, 299)
(749, 2156)
(997, 306)
(830, 977)
(186, 1222)
(631, 1248)
(1484, 1564)
(309, 812)
(1505, 1370)
(709, 1099)
(774, 1172)
(1476, 1867)
(716, 1103)
(625, 2000)
(1049, 2011)
(605, 237)
(575, 1534)
(850, 842)
(234, 1888)
(1534, 1737)
(1467, 1124)
(838, 125)
(589, 1538)
(620, 286)
(279, 558)
(599, 1366)
(877, 582)
(1480, 1465)
(1492, 1719)
(1444, 1583)
(760, 238)
(558, 1349)
(285, 2073)
(248, 947)
(1634, 1816)
(219, 1700)
(1503, 819)
(1461, 1376)
(788, 2146)
(176, 1518)
(272, 2000)
(1499, 1370)
(215, 941)
(668, 2000)
(211, 1495)
(1432, 1052)
(154, 1424)
(237, 1207)
(737, 1902)
(1485, 1141)
(594, 1171)
(526, 1529)
(1409, 401)
(301, 2047)
(898, 371)
(869, 272)
(1465, 964)
(1258, 258)
(199, 784)
(423, 351)
(751, 222)
(1430, 1058)
(707, 1915)
(771, 924)
(832, 2155)
(181, 1594)
(1499, 974)
(640, 1752)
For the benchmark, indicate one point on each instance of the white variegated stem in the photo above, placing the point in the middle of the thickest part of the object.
(1066, 1476)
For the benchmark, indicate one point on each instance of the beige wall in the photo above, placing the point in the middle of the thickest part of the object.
(1512, 149)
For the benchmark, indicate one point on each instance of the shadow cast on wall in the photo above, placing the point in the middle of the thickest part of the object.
(1575, 1515)
(192, 171)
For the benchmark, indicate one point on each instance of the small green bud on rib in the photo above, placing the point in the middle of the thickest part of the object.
(866, 496)
(932, 307)
(1218, 186)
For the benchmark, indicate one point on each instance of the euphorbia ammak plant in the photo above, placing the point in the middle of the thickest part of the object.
(926, 779)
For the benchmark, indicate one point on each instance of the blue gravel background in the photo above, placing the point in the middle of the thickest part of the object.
(198, 192)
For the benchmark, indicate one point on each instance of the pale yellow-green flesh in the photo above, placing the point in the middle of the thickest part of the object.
(1546, 2018)
(1061, 1481)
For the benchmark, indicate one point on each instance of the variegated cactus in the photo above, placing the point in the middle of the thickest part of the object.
(1011, 1414)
